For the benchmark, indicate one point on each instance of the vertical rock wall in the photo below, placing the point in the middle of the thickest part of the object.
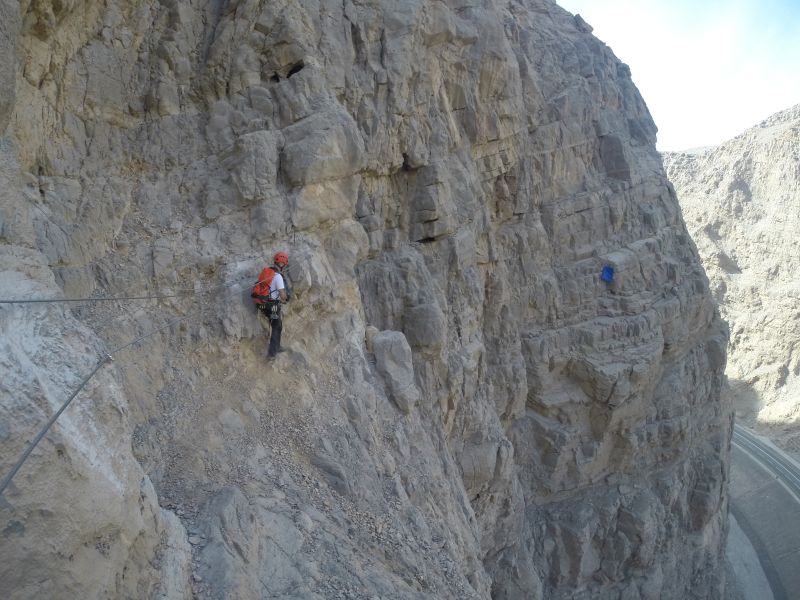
(9, 25)
(466, 409)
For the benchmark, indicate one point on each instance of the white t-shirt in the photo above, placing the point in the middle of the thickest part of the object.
(277, 284)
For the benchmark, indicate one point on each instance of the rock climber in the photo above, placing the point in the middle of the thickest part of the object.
(269, 293)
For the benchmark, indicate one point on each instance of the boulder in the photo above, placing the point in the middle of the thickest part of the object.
(253, 164)
(393, 361)
(322, 147)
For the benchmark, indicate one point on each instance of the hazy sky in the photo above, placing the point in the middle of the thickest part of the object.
(708, 69)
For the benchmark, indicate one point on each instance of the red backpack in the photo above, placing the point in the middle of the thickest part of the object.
(260, 293)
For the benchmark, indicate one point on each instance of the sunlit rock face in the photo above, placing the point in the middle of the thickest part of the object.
(466, 408)
(741, 202)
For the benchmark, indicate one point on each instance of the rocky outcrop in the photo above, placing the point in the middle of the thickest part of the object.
(9, 25)
(86, 501)
(466, 409)
(741, 201)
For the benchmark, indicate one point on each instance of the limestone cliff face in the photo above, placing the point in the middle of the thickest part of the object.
(466, 409)
(741, 201)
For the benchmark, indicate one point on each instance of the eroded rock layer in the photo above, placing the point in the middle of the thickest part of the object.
(741, 201)
(466, 409)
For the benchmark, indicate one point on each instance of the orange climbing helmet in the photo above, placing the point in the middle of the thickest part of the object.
(281, 258)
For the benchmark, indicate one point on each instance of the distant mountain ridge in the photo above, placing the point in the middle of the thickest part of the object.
(741, 202)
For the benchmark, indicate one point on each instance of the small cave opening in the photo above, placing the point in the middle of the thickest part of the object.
(296, 68)
(406, 164)
(275, 78)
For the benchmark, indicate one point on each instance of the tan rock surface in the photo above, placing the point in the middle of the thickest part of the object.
(741, 201)
(466, 409)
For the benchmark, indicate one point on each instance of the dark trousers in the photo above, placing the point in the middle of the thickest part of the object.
(275, 336)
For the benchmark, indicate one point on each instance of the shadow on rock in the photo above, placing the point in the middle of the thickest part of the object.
(748, 404)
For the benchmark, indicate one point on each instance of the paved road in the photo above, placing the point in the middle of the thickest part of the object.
(765, 500)
(776, 461)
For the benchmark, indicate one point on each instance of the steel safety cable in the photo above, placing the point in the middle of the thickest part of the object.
(49, 220)
(7, 479)
(107, 358)
(180, 294)
(99, 299)
(127, 314)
